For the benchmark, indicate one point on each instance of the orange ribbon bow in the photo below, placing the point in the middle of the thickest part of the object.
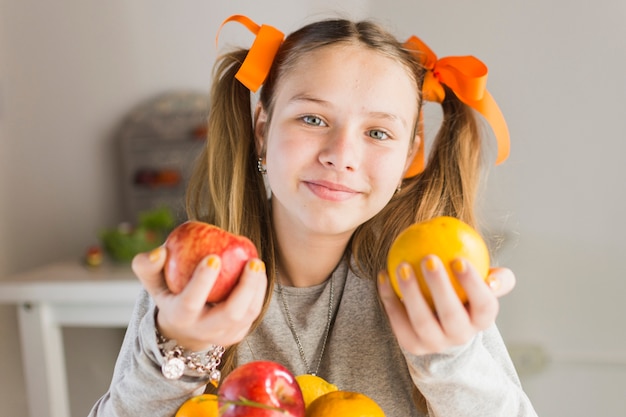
(466, 76)
(256, 66)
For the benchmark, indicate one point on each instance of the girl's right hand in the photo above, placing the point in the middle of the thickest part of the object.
(186, 317)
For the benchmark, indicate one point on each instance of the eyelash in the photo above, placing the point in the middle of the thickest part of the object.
(307, 119)
(380, 131)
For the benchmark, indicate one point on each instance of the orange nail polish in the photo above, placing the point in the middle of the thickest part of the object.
(257, 266)
(493, 282)
(458, 266)
(213, 262)
(155, 254)
(405, 272)
(381, 278)
(431, 264)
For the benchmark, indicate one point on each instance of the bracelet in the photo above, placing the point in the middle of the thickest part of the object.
(178, 358)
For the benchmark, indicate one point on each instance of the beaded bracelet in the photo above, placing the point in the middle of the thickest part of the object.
(178, 358)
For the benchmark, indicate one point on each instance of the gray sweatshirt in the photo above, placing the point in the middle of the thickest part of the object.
(361, 354)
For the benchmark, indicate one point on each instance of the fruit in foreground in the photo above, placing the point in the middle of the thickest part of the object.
(191, 241)
(204, 405)
(344, 404)
(260, 389)
(447, 237)
(313, 386)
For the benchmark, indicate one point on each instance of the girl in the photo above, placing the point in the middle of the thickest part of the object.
(334, 141)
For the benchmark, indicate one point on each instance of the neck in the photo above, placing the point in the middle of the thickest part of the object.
(306, 259)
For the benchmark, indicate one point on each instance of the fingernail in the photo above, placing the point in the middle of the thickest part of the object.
(405, 272)
(213, 262)
(155, 254)
(431, 264)
(493, 282)
(257, 265)
(458, 266)
(382, 278)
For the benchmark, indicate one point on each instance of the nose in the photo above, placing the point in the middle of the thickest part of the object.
(342, 150)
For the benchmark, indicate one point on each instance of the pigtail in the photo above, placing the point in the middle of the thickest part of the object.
(225, 188)
(448, 186)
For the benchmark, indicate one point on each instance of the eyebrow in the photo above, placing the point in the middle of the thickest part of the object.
(376, 114)
(307, 97)
(388, 116)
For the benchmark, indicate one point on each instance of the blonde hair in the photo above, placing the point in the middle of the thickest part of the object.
(227, 190)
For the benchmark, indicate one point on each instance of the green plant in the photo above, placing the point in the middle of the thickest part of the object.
(123, 242)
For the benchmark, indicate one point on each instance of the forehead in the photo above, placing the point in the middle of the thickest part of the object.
(345, 53)
(351, 71)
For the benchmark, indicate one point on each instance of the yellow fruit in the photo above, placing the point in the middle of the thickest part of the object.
(448, 238)
(204, 405)
(313, 386)
(344, 404)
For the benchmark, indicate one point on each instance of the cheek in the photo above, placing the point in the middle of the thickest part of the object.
(289, 149)
(387, 172)
(283, 160)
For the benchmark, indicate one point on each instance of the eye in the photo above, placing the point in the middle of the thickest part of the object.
(313, 120)
(378, 134)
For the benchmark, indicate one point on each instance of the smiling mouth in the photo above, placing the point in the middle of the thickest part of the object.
(330, 191)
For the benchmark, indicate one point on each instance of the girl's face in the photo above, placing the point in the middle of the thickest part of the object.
(339, 139)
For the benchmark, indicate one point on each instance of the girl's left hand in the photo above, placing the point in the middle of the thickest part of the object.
(418, 328)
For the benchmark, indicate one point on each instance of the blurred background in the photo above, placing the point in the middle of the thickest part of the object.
(71, 72)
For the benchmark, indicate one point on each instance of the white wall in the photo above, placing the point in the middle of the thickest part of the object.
(70, 70)
(557, 71)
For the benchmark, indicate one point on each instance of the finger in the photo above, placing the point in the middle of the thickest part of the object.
(451, 312)
(397, 314)
(444, 296)
(246, 291)
(231, 320)
(148, 267)
(261, 288)
(420, 313)
(194, 294)
(258, 282)
(482, 303)
(390, 300)
(501, 280)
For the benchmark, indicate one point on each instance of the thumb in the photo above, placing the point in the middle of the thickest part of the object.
(148, 267)
(501, 281)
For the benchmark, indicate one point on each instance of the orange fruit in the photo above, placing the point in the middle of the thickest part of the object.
(313, 386)
(344, 404)
(204, 405)
(448, 238)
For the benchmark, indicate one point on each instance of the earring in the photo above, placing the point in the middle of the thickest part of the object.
(259, 165)
(398, 188)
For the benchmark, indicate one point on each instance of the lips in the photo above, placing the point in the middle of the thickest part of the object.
(331, 191)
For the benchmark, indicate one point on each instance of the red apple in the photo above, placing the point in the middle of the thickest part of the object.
(191, 241)
(260, 389)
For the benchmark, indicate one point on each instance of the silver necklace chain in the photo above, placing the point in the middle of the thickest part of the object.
(293, 329)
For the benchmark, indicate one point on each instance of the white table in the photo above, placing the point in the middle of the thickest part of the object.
(63, 294)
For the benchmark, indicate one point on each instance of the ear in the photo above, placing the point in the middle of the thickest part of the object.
(260, 124)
